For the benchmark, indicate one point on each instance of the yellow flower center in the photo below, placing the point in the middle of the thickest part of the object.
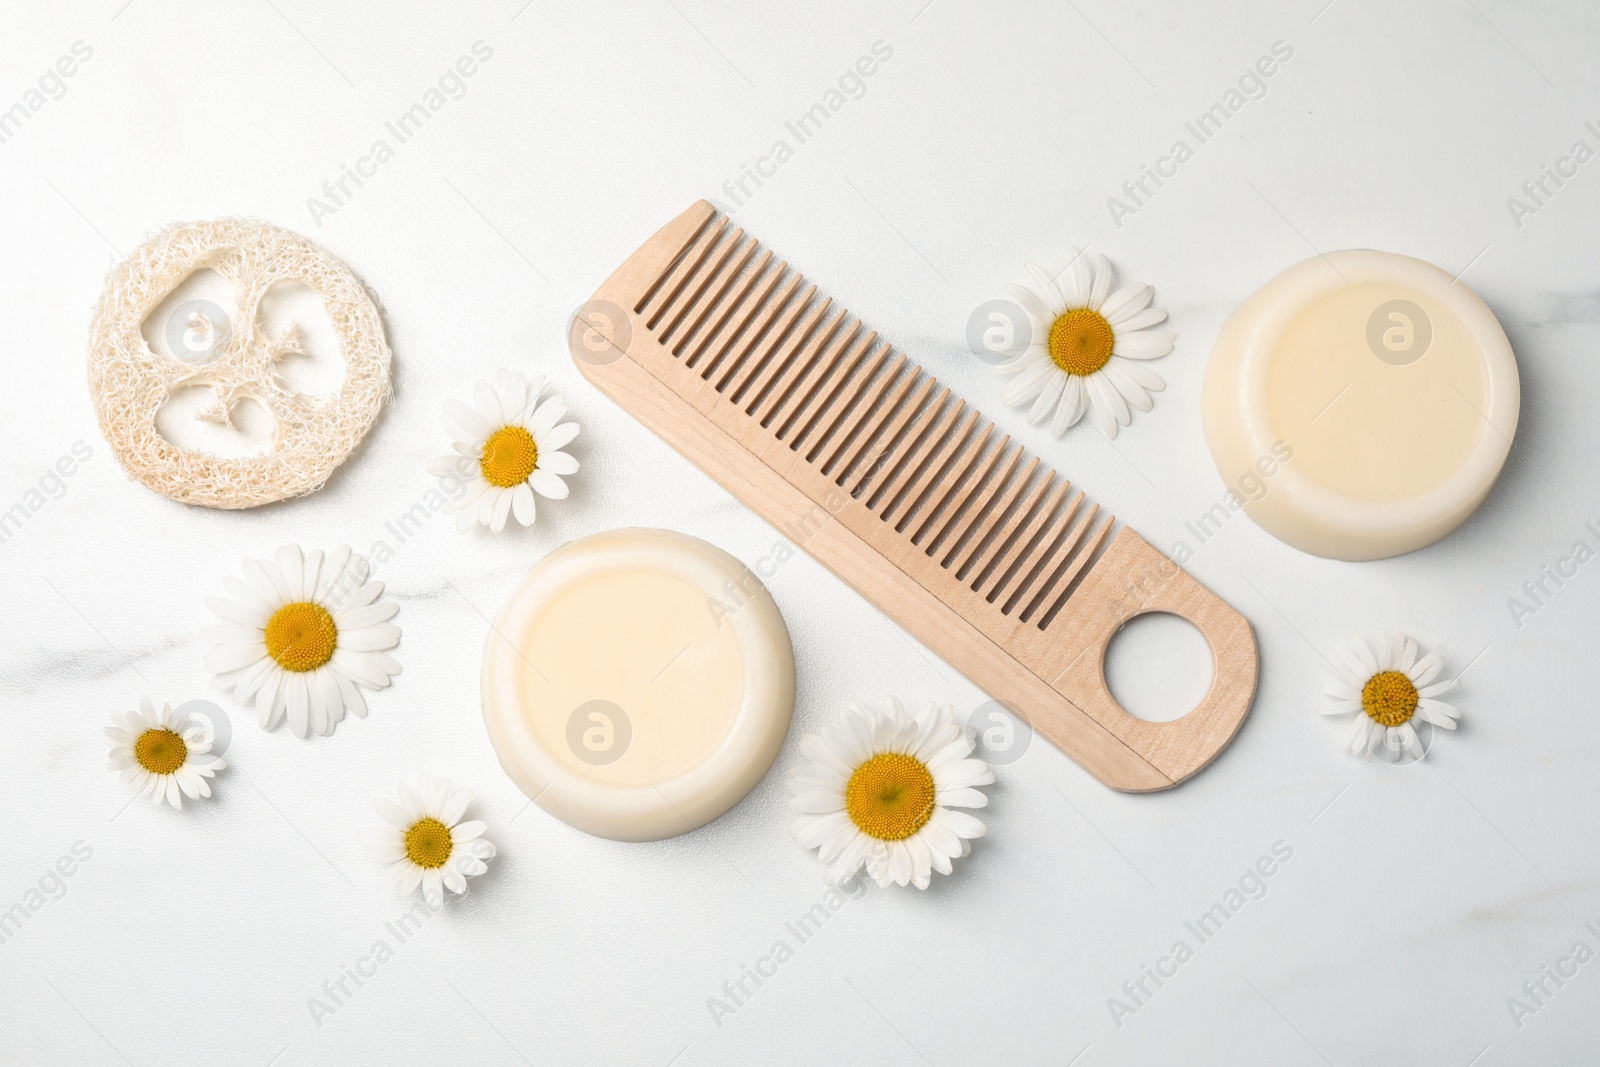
(428, 843)
(1080, 341)
(1390, 698)
(509, 456)
(890, 797)
(160, 751)
(301, 636)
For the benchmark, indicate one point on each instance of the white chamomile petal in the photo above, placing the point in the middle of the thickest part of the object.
(1387, 688)
(1049, 288)
(1102, 410)
(1134, 393)
(1365, 657)
(1426, 669)
(1144, 319)
(160, 757)
(558, 462)
(507, 448)
(1350, 667)
(1081, 359)
(1392, 648)
(1074, 402)
(1030, 379)
(1048, 400)
(1439, 714)
(548, 485)
(502, 508)
(1126, 302)
(1100, 288)
(248, 596)
(304, 660)
(511, 393)
(423, 841)
(1145, 344)
(463, 423)
(446, 467)
(545, 417)
(522, 505)
(878, 790)
(1031, 302)
(1438, 688)
(559, 437)
(1077, 281)
(1139, 373)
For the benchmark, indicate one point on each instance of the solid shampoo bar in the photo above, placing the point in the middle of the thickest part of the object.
(1387, 389)
(638, 683)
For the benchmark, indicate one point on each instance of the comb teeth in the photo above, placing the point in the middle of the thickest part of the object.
(874, 424)
(905, 492)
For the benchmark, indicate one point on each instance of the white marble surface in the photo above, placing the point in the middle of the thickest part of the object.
(1417, 900)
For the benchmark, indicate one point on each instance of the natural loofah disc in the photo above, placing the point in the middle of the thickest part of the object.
(130, 382)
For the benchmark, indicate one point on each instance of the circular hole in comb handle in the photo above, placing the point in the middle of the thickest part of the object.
(1158, 666)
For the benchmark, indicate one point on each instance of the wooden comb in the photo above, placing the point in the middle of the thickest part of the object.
(896, 485)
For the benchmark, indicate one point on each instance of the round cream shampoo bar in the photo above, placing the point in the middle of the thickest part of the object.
(638, 683)
(1361, 404)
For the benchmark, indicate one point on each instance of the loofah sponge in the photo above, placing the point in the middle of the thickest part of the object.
(129, 382)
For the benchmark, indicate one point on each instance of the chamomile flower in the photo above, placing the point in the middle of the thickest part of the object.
(1088, 347)
(508, 447)
(1388, 690)
(424, 842)
(881, 787)
(301, 636)
(161, 758)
